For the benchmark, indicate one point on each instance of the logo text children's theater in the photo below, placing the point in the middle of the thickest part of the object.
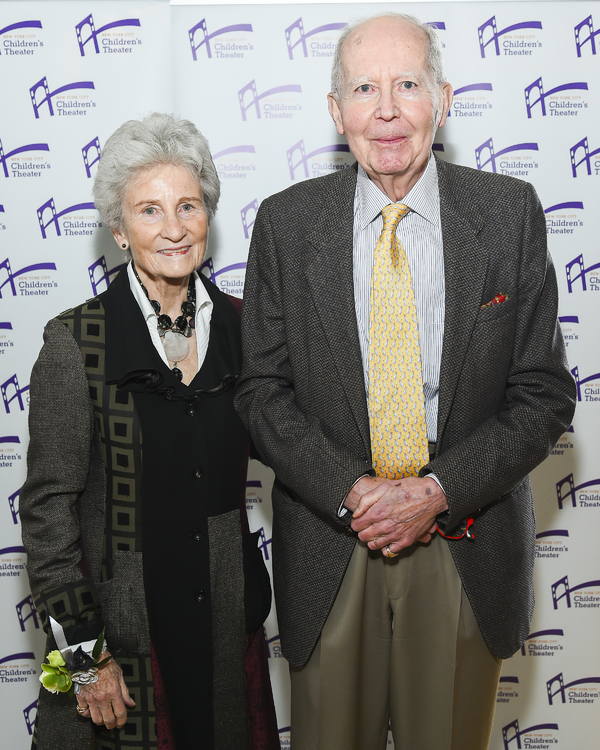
(585, 694)
(560, 222)
(224, 48)
(586, 158)
(535, 737)
(470, 106)
(277, 109)
(20, 44)
(588, 598)
(566, 490)
(517, 167)
(557, 105)
(9, 455)
(26, 287)
(318, 48)
(65, 105)
(576, 271)
(551, 543)
(515, 45)
(297, 157)
(16, 667)
(69, 226)
(23, 168)
(109, 44)
(234, 167)
(542, 643)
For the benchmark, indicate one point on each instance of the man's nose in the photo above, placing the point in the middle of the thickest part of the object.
(388, 106)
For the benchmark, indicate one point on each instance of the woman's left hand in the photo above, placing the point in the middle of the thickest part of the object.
(106, 700)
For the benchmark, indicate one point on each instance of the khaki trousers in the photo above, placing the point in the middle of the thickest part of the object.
(400, 645)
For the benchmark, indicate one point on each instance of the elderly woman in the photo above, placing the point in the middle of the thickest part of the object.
(134, 506)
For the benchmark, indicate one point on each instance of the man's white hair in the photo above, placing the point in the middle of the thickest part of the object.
(434, 56)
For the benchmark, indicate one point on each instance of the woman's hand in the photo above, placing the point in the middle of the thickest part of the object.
(106, 700)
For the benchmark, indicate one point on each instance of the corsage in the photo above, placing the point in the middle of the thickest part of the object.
(64, 670)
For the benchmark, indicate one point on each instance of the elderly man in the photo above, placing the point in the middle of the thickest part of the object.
(404, 372)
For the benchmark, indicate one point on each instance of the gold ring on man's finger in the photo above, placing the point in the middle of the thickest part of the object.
(81, 709)
(390, 553)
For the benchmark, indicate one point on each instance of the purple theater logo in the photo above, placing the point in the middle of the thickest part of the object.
(12, 504)
(587, 500)
(271, 110)
(11, 391)
(230, 281)
(64, 106)
(248, 214)
(567, 322)
(509, 47)
(297, 157)
(11, 568)
(235, 170)
(90, 159)
(507, 689)
(229, 49)
(20, 46)
(274, 652)
(564, 107)
(545, 647)
(532, 736)
(317, 49)
(26, 611)
(29, 714)
(563, 223)
(550, 544)
(573, 696)
(576, 270)
(588, 599)
(586, 159)
(73, 228)
(264, 543)
(100, 276)
(516, 168)
(470, 108)
(8, 455)
(591, 392)
(18, 168)
(585, 34)
(24, 286)
(108, 45)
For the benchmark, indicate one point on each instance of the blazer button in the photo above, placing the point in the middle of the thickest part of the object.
(196, 535)
(191, 411)
(200, 596)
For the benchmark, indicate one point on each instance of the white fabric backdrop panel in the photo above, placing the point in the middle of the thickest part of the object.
(254, 79)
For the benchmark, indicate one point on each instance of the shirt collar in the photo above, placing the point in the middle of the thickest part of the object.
(423, 198)
(202, 297)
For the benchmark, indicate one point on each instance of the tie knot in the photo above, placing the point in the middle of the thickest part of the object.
(392, 215)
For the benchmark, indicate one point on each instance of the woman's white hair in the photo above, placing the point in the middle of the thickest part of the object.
(138, 145)
(434, 56)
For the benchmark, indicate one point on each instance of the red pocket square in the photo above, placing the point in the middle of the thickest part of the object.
(498, 300)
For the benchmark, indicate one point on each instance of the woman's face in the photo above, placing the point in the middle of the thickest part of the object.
(165, 224)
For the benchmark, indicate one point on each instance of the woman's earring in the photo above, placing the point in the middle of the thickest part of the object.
(124, 246)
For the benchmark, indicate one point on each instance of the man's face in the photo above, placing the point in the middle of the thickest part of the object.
(388, 107)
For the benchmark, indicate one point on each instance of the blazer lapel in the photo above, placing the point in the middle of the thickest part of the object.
(465, 269)
(330, 278)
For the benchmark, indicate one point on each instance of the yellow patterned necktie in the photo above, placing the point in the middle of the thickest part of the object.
(396, 402)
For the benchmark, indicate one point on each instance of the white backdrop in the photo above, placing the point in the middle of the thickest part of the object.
(254, 79)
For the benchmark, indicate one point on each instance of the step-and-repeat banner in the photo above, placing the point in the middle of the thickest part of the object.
(254, 79)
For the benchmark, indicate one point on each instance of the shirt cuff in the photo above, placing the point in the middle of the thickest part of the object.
(435, 479)
(342, 510)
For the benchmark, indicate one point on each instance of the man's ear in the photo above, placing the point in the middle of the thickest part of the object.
(447, 96)
(335, 112)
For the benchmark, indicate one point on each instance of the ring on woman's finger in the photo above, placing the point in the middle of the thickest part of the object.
(389, 552)
(81, 709)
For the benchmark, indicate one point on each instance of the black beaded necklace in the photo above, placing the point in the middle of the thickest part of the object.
(174, 334)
